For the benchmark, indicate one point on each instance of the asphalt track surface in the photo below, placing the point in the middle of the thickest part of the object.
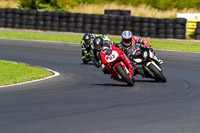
(84, 100)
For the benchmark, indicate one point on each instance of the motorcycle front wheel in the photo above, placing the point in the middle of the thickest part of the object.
(158, 74)
(124, 75)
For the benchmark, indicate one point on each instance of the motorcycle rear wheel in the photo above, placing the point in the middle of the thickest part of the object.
(124, 75)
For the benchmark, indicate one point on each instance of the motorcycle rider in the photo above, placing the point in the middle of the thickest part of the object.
(128, 41)
(98, 43)
(86, 46)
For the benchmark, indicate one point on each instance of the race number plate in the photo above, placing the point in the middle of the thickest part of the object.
(112, 57)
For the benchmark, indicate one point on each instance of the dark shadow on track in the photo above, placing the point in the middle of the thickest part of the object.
(122, 85)
(148, 81)
(87, 64)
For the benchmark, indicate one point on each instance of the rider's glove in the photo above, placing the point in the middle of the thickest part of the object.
(146, 43)
(151, 49)
(116, 44)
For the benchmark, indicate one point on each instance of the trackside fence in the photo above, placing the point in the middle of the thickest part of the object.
(112, 24)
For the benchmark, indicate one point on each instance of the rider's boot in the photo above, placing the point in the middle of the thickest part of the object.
(85, 57)
(160, 61)
(85, 60)
(133, 80)
(112, 77)
(104, 69)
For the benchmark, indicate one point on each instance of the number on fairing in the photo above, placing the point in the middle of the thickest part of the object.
(112, 57)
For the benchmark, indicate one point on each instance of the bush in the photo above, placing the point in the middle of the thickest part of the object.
(163, 4)
(97, 1)
(64, 4)
(131, 2)
(188, 4)
(70, 3)
(170, 4)
(58, 5)
(28, 4)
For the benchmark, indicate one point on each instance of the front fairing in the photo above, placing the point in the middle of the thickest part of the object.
(116, 57)
(112, 57)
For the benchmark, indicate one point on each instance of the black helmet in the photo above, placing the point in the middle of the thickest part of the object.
(98, 43)
(87, 39)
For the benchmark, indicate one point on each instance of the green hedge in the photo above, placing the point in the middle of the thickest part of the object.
(64, 4)
(58, 5)
(171, 4)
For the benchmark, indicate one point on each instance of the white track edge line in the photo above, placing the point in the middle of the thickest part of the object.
(55, 74)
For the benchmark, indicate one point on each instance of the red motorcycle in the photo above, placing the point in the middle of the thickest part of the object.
(117, 63)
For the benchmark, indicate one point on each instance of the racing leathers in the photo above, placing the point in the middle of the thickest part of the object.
(85, 52)
(96, 53)
(135, 40)
(87, 48)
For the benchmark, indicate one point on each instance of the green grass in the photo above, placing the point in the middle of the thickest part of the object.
(177, 46)
(40, 36)
(171, 45)
(156, 44)
(12, 73)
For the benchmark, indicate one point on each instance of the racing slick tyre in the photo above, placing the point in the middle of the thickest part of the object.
(124, 75)
(158, 74)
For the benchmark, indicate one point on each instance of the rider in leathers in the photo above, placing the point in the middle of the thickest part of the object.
(86, 46)
(98, 42)
(128, 41)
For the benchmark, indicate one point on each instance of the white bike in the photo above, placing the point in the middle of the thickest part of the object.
(146, 63)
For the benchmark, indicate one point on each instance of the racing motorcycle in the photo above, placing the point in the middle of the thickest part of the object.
(147, 64)
(117, 63)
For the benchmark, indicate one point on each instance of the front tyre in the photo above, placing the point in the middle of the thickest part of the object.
(124, 75)
(158, 74)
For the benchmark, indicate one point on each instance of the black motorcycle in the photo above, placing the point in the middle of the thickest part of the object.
(146, 63)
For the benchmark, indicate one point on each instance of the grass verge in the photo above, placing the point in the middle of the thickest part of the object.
(13, 73)
(156, 44)
(171, 45)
